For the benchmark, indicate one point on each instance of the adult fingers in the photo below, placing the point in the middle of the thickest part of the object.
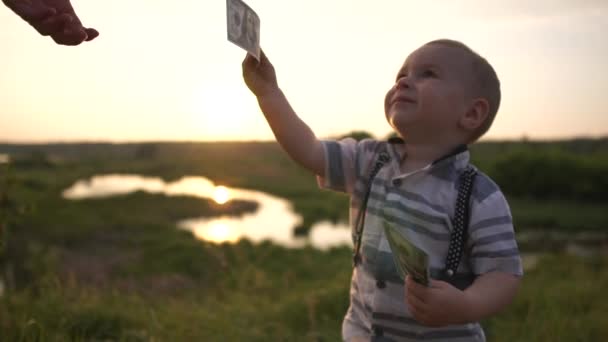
(52, 25)
(70, 38)
(31, 12)
(72, 34)
(91, 34)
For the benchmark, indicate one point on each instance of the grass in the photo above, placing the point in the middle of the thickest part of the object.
(119, 269)
(563, 299)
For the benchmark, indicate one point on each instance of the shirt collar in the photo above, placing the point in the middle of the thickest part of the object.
(455, 152)
(459, 155)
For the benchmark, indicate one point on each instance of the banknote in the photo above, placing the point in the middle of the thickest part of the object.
(243, 26)
(408, 258)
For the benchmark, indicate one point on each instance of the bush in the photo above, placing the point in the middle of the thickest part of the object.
(552, 175)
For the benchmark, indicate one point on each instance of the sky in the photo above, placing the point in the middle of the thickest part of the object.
(165, 71)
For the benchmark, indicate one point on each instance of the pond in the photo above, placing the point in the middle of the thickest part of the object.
(274, 220)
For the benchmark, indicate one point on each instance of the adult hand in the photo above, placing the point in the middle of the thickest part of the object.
(55, 18)
(260, 77)
(438, 305)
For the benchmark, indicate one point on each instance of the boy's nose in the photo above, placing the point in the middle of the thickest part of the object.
(404, 83)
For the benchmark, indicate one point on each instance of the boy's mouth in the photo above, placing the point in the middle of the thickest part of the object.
(402, 99)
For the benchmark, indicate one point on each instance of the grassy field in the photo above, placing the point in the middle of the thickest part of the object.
(119, 269)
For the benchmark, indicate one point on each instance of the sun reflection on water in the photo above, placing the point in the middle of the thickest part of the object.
(218, 232)
(221, 194)
(274, 219)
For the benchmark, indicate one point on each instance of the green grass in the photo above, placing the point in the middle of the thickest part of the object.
(119, 269)
(563, 299)
(261, 293)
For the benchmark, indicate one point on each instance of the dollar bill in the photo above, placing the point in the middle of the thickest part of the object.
(243, 26)
(408, 258)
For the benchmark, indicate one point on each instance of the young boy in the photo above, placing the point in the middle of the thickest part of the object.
(445, 96)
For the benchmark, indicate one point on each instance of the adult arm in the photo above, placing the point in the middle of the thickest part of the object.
(55, 18)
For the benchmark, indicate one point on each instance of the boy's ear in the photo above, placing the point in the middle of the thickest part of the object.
(476, 115)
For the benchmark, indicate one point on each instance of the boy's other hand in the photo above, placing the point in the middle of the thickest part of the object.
(260, 77)
(55, 18)
(438, 305)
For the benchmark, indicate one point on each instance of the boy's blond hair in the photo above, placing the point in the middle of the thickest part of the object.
(485, 83)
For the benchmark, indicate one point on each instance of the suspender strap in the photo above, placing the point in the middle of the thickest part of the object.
(383, 158)
(460, 222)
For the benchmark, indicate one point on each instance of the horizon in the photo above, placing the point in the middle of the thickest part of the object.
(181, 80)
(126, 142)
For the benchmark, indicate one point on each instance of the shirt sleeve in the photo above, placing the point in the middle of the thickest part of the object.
(492, 243)
(344, 160)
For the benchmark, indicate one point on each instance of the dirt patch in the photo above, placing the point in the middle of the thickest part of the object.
(100, 263)
(93, 269)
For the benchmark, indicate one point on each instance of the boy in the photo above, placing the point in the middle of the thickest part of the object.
(445, 96)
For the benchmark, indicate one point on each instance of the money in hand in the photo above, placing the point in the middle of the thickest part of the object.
(243, 27)
(408, 258)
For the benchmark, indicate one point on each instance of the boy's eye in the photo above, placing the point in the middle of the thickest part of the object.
(428, 73)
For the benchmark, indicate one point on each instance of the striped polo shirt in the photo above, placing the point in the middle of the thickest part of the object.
(420, 205)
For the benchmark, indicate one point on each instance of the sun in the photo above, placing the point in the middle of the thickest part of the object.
(225, 112)
(221, 194)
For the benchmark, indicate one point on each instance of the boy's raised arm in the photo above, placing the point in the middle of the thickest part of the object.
(294, 135)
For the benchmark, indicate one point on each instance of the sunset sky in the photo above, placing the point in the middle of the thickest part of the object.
(164, 70)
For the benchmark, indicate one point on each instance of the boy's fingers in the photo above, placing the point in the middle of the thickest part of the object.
(416, 304)
(264, 61)
(249, 62)
(419, 313)
(263, 57)
(415, 289)
(438, 284)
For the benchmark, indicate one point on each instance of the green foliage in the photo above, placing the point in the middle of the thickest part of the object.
(119, 269)
(562, 299)
(552, 175)
(563, 215)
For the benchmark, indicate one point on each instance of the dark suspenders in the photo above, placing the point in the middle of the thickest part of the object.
(383, 158)
(460, 222)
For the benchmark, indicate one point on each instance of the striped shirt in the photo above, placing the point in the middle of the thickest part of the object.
(420, 204)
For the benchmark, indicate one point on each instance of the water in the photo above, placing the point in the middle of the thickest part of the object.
(274, 220)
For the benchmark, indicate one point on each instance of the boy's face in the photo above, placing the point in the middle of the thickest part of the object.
(430, 93)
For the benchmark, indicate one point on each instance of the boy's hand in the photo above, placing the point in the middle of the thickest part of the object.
(260, 77)
(438, 305)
